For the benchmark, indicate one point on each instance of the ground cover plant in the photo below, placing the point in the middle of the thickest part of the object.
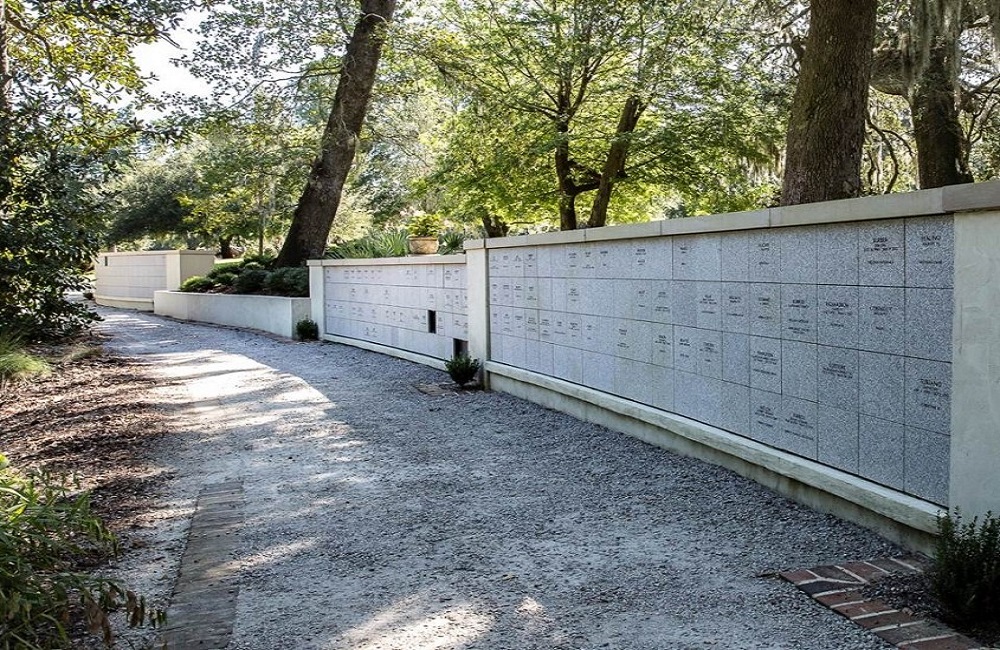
(966, 576)
(16, 364)
(72, 486)
(48, 537)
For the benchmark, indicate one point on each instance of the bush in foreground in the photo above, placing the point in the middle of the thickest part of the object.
(462, 368)
(46, 533)
(966, 576)
(306, 330)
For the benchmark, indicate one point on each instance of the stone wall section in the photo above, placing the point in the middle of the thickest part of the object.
(832, 342)
(130, 276)
(418, 307)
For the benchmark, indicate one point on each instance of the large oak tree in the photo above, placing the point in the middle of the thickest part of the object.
(317, 207)
(826, 129)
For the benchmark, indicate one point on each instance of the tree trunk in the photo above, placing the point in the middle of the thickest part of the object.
(493, 226)
(564, 175)
(826, 129)
(318, 204)
(941, 149)
(614, 163)
(5, 75)
(226, 248)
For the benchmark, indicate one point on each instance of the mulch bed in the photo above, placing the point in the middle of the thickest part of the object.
(92, 418)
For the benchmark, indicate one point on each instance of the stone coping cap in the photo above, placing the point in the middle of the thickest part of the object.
(972, 197)
(170, 252)
(393, 261)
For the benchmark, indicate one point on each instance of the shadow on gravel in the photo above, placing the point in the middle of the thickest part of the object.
(379, 517)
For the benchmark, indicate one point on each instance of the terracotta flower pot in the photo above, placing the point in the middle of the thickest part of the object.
(423, 245)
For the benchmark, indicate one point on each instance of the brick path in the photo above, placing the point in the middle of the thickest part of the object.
(203, 607)
(840, 588)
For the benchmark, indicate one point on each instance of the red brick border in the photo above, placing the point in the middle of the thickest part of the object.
(838, 587)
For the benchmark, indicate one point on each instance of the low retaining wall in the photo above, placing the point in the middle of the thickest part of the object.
(274, 314)
(128, 279)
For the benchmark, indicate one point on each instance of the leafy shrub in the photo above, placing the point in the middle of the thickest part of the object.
(265, 261)
(250, 281)
(47, 232)
(452, 241)
(289, 281)
(45, 533)
(306, 330)
(251, 266)
(426, 224)
(462, 368)
(390, 243)
(966, 574)
(15, 364)
(197, 284)
(225, 280)
(219, 270)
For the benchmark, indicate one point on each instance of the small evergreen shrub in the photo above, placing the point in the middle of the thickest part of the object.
(197, 284)
(462, 368)
(251, 266)
(307, 330)
(219, 270)
(250, 281)
(265, 261)
(225, 280)
(288, 281)
(46, 532)
(966, 574)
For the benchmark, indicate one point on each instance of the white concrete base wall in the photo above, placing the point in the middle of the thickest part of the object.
(141, 304)
(274, 314)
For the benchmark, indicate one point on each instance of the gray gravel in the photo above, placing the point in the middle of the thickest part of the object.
(378, 517)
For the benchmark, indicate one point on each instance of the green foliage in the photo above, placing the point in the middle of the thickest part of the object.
(46, 532)
(288, 281)
(452, 241)
(46, 235)
(462, 368)
(226, 268)
(966, 575)
(16, 365)
(250, 280)
(390, 243)
(263, 261)
(425, 224)
(197, 284)
(226, 280)
(306, 330)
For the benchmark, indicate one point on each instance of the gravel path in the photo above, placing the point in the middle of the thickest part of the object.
(378, 517)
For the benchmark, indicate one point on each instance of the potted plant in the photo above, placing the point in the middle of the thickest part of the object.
(424, 229)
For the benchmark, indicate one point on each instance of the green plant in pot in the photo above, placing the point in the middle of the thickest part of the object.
(424, 229)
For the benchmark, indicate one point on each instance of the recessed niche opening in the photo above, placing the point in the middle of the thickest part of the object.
(459, 347)
(432, 322)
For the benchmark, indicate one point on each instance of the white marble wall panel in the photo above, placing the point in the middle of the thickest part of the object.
(392, 305)
(832, 342)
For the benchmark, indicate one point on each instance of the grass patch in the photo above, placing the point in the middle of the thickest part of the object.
(16, 364)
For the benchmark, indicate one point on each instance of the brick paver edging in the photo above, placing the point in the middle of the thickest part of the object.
(839, 588)
(203, 607)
